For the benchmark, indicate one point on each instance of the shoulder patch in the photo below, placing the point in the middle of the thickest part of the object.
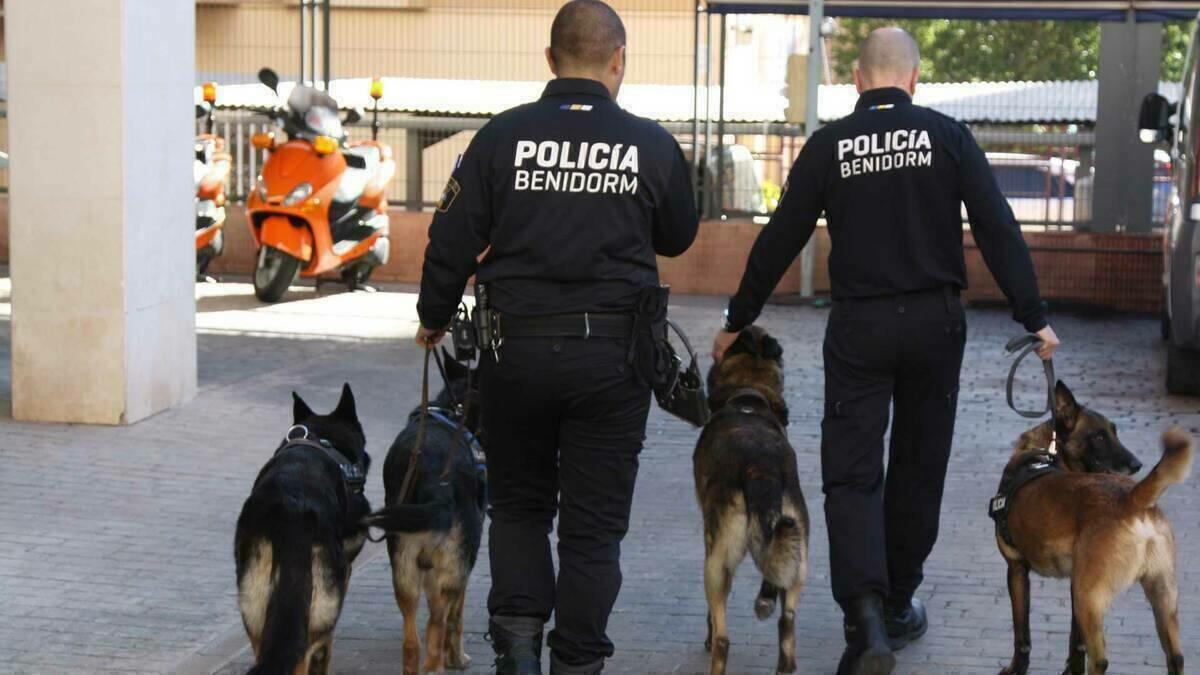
(449, 194)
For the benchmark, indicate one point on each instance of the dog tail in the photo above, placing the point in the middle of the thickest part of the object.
(285, 633)
(782, 534)
(1173, 468)
(434, 516)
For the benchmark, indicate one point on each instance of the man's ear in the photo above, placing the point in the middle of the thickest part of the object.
(346, 408)
(616, 64)
(550, 62)
(1066, 410)
(912, 83)
(859, 84)
(300, 409)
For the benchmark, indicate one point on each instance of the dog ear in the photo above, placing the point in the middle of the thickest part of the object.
(300, 409)
(1066, 409)
(346, 408)
(744, 344)
(771, 349)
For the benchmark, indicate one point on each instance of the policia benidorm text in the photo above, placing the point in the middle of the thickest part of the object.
(891, 179)
(573, 198)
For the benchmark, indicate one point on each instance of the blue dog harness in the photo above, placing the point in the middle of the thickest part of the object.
(446, 419)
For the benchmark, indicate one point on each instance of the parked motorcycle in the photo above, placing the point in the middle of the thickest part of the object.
(320, 204)
(211, 171)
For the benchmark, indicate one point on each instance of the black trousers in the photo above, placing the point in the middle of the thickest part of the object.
(565, 420)
(905, 351)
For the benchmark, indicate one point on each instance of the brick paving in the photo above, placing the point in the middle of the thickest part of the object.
(116, 543)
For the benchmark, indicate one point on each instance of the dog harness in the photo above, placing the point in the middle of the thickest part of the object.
(1036, 465)
(299, 436)
(446, 418)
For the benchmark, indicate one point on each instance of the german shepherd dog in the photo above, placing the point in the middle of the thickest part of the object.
(297, 534)
(434, 541)
(749, 492)
(1101, 529)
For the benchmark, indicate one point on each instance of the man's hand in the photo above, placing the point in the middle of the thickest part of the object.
(1049, 343)
(721, 343)
(429, 338)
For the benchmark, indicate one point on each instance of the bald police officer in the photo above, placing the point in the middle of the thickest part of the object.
(572, 197)
(890, 179)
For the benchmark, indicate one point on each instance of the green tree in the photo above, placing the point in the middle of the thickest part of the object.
(973, 51)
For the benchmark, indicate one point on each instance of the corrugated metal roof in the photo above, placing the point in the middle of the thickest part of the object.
(1091, 10)
(972, 102)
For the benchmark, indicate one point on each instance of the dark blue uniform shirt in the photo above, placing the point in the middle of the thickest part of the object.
(572, 197)
(891, 179)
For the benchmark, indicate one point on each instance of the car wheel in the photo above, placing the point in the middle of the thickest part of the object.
(1183, 370)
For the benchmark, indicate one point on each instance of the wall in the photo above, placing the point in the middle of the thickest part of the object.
(452, 39)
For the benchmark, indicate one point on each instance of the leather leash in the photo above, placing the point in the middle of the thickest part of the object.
(408, 487)
(1030, 343)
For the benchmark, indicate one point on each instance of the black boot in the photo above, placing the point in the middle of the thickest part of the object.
(867, 651)
(905, 623)
(517, 641)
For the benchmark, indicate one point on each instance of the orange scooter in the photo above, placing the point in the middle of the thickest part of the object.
(211, 170)
(320, 205)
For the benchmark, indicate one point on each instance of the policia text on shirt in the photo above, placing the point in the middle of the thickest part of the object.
(572, 198)
(891, 179)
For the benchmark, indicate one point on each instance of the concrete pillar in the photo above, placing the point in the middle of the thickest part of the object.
(1130, 57)
(101, 128)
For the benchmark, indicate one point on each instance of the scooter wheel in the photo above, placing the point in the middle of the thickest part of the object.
(273, 273)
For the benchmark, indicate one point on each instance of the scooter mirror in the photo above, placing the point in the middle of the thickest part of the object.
(352, 115)
(201, 111)
(269, 78)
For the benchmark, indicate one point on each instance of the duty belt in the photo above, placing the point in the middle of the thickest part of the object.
(1038, 464)
(585, 326)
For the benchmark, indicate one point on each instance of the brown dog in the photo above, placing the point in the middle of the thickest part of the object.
(749, 492)
(1082, 520)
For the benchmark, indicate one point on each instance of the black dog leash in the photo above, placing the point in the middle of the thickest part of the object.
(1030, 343)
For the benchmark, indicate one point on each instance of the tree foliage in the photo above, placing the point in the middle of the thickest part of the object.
(974, 51)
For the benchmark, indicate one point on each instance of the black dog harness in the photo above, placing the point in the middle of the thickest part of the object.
(353, 474)
(1036, 465)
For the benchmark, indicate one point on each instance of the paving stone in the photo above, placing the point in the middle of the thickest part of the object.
(116, 543)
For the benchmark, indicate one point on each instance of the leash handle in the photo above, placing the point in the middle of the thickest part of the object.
(1030, 343)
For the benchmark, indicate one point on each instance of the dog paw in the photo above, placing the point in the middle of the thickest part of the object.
(764, 608)
(459, 661)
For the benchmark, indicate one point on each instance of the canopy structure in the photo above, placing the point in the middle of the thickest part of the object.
(1087, 10)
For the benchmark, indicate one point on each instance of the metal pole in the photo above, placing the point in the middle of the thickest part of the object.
(706, 207)
(312, 40)
(303, 4)
(325, 41)
(720, 203)
(812, 121)
(696, 100)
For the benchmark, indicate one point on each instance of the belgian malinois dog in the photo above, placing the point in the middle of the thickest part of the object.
(297, 534)
(749, 492)
(433, 541)
(1093, 524)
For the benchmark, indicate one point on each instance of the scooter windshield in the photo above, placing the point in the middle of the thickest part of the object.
(317, 110)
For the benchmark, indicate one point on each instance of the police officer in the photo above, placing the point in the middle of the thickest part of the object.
(572, 197)
(890, 179)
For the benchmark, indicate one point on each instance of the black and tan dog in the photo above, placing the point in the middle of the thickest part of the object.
(297, 534)
(749, 492)
(433, 541)
(1082, 520)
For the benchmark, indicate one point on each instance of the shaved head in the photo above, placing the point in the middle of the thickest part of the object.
(585, 35)
(888, 57)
